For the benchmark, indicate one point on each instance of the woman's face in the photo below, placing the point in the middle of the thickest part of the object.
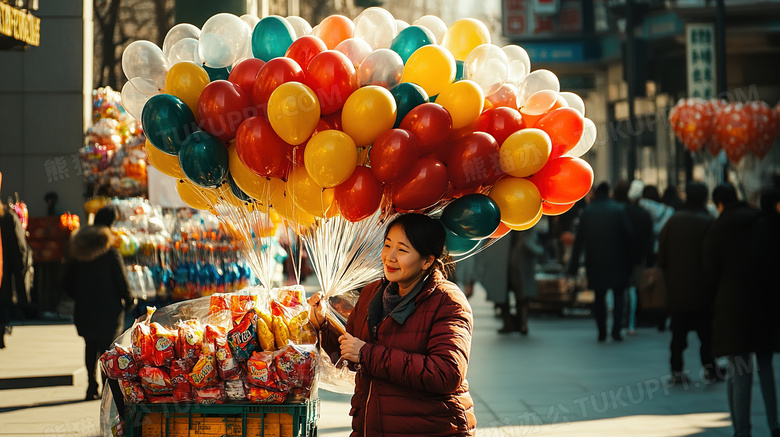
(401, 261)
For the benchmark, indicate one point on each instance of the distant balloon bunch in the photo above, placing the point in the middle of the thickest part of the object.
(357, 115)
(732, 127)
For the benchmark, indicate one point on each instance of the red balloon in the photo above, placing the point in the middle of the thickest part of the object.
(274, 73)
(505, 96)
(261, 150)
(332, 77)
(553, 209)
(303, 49)
(333, 120)
(359, 196)
(392, 153)
(422, 186)
(471, 160)
(431, 124)
(502, 230)
(222, 107)
(564, 180)
(500, 123)
(564, 126)
(245, 72)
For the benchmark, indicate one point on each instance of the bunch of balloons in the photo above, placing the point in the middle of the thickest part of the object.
(358, 116)
(735, 128)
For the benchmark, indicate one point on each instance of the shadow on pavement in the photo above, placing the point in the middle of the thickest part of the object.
(42, 405)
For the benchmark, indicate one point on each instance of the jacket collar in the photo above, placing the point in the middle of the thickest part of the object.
(406, 307)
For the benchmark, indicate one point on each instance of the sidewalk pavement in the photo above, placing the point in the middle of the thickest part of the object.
(557, 381)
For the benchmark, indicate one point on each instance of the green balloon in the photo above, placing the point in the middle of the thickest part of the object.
(204, 159)
(271, 38)
(473, 216)
(458, 70)
(411, 39)
(238, 192)
(221, 73)
(456, 245)
(407, 96)
(167, 121)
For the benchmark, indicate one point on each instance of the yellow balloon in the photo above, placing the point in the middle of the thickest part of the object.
(167, 164)
(253, 185)
(465, 35)
(186, 81)
(286, 208)
(195, 196)
(528, 225)
(368, 112)
(464, 100)
(518, 200)
(293, 111)
(432, 67)
(307, 195)
(525, 152)
(330, 157)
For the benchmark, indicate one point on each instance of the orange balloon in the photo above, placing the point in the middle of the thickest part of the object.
(553, 209)
(334, 29)
(538, 104)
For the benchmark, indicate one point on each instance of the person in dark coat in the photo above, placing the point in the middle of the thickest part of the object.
(527, 248)
(409, 337)
(642, 253)
(680, 256)
(732, 269)
(604, 234)
(17, 258)
(95, 278)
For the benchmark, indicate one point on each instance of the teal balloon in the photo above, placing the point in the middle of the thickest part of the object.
(473, 216)
(221, 73)
(409, 40)
(456, 245)
(407, 96)
(167, 121)
(204, 159)
(271, 38)
(458, 70)
(238, 192)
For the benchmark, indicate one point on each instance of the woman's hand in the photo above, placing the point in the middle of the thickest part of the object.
(316, 310)
(350, 347)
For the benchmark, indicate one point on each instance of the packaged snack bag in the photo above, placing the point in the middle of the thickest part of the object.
(118, 363)
(234, 389)
(204, 372)
(189, 339)
(164, 342)
(260, 371)
(182, 388)
(132, 392)
(210, 395)
(219, 309)
(216, 336)
(289, 296)
(301, 330)
(143, 345)
(161, 399)
(243, 337)
(259, 395)
(264, 335)
(240, 304)
(281, 332)
(155, 381)
(296, 366)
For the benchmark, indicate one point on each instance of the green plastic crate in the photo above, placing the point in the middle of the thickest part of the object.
(238, 420)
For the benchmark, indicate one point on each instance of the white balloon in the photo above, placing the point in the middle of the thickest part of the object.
(488, 66)
(400, 25)
(574, 101)
(433, 23)
(223, 39)
(299, 25)
(355, 49)
(178, 33)
(519, 63)
(251, 20)
(145, 60)
(184, 50)
(589, 134)
(135, 93)
(382, 67)
(377, 27)
(536, 81)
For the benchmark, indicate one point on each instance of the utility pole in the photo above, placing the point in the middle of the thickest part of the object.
(630, 66)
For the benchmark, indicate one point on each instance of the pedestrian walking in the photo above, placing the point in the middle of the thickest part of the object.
(96, 280)
(526, 249)
(409, 337)
(17, 262)
(680, 257)
(605, 237)
(732, 250)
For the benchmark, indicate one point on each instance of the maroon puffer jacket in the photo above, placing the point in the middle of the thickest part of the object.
(412, 377)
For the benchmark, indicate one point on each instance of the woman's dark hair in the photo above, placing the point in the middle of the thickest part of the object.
(620, 192)
(426, 234)
(105, 216)
(651, 192)
(724, 194)
(696, 195)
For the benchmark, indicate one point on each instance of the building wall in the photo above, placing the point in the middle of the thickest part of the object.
(45, 107)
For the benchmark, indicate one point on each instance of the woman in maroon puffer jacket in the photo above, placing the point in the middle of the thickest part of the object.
(410, 337)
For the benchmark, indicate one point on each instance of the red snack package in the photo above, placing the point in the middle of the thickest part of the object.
(227, 365)
(155, 381)
(296, 366)
(143, 346)
(234, 389)
(289, 296)
(182, 388)
(204, 372)
(219, 308)
(189, 339)
(260, 371)
(132, 392)
(164, 341)
(259, 395)
(161, 399)
(118, 363)
(210, 395)
(240, 304)
(243, 337)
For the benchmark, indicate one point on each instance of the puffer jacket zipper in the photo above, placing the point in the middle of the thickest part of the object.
(365, 415)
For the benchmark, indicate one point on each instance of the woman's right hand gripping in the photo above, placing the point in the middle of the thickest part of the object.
(316, 309)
